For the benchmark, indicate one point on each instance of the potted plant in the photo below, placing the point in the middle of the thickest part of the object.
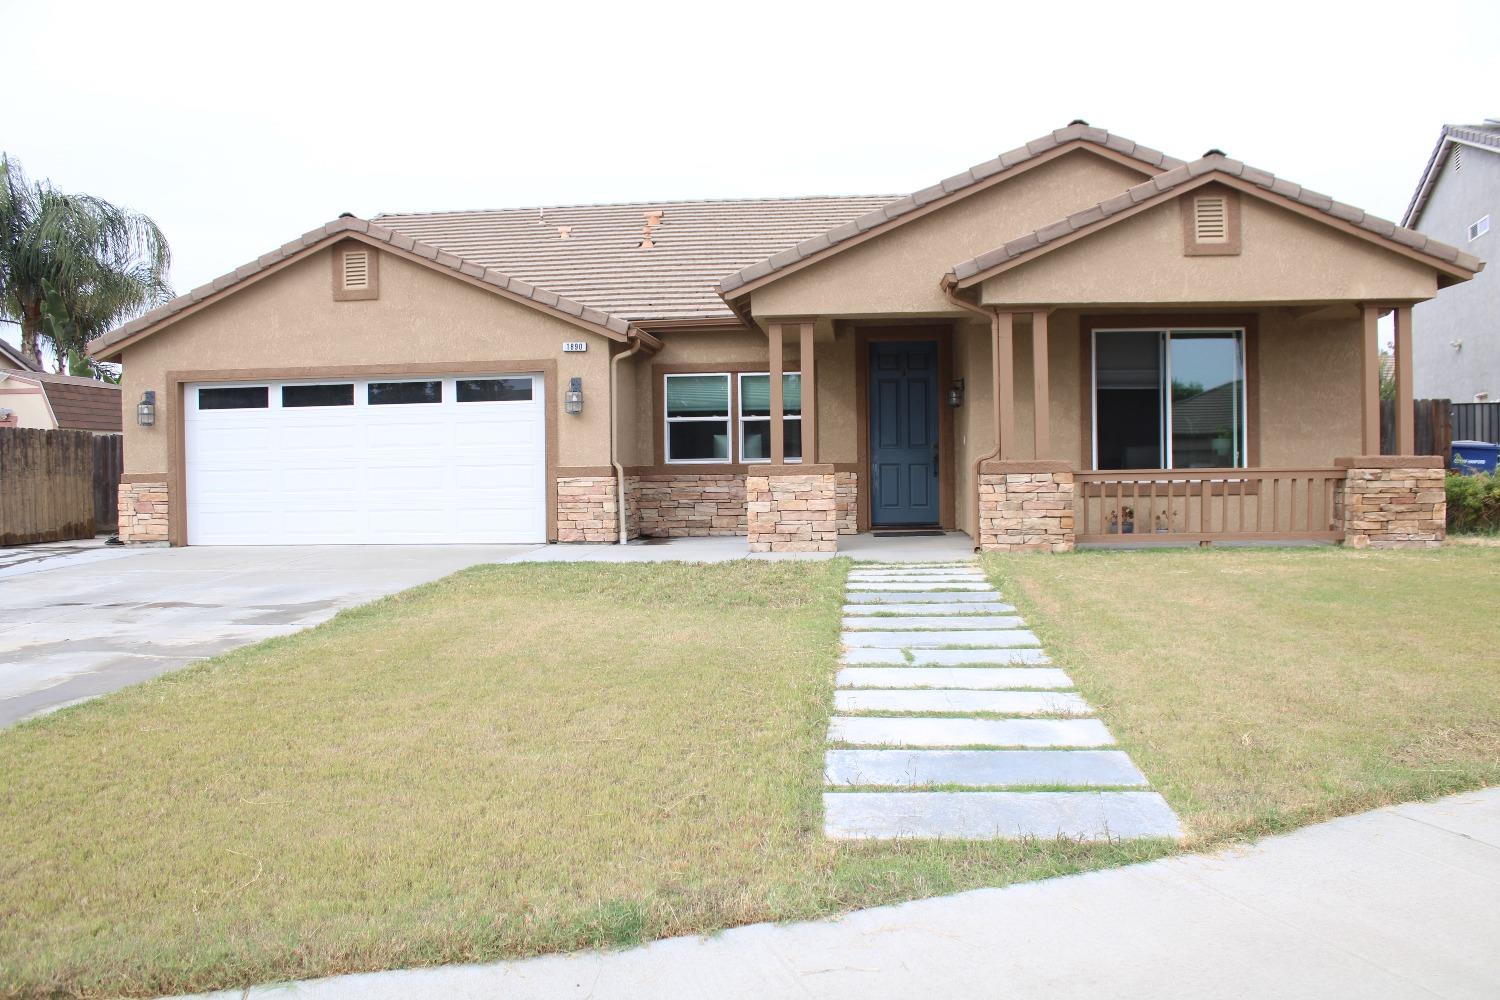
(1161, 524)
(1114, 522)
(1127, 526)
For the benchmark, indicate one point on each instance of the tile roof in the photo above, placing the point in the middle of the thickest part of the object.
(602, 261)
(79, 404)
(971, 270)
(350, 226)
(976, 175)
(1487, 134)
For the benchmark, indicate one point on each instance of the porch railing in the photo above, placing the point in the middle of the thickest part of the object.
(1208, 505)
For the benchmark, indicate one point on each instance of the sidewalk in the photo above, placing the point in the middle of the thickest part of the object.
(1400, 902)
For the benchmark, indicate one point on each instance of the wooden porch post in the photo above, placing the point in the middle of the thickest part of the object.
(809, 396)
(778, 412)
(1041, 388)
(1370, 381)
(1005, 383)
(1406, 436)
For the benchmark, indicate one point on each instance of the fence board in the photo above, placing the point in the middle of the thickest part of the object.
(1434, 427)
(46, 485)
(109, 463)
(1476, 422)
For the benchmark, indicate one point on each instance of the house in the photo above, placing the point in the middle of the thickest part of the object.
(1457, 352)
(1080, 338)
(30, 397)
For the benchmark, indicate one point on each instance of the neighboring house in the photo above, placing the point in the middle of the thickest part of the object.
(1199, 340)
(58, 402)
(14, 358)
(1457, 349)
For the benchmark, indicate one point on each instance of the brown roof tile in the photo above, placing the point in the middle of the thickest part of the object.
(1214, 163)
(79, 404)
(602, 264)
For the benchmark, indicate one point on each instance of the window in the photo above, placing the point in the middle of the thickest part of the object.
(385, 393)
(492, 390)
(755, 417)
(697, 418)
(318, 395)
(1169, 399)
(239, 397)
(1479, 228)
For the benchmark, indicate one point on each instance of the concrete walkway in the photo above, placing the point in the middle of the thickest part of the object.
(1396, 903)
(944, 686)
(75, 625)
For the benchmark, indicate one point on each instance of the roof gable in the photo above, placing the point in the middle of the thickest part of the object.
(112, 343)
(1076, 135)
(77, 403)
(1448, 261)
(1485, 137)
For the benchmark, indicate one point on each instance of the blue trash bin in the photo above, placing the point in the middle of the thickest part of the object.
(1473, 457)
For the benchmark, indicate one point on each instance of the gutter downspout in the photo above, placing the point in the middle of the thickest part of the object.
(993, 316)
(637, 344)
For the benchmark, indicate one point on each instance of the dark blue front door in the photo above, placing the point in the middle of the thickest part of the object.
(904, 433)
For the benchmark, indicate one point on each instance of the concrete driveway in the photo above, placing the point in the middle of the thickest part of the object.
(83, 623)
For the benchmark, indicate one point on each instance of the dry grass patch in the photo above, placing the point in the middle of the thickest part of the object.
(518, 759)
(1260, 690)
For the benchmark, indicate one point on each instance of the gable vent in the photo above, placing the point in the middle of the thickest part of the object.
(1211, 219)
(356, 270)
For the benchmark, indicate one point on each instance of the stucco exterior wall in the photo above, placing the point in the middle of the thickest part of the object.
(1309, 389)
(422, 317)
(29, 404)
(1285, 258)
(1468, 312)
(897, 273)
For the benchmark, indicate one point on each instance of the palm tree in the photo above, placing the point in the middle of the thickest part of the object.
(73, 266)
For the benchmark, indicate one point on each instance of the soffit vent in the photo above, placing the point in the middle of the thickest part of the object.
(356, 270)
(1211, 218)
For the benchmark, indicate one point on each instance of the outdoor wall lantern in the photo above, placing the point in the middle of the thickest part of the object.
(956, 394)
(573, 398)
(145, 410)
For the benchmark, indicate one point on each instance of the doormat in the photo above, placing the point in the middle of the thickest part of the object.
(917, 533)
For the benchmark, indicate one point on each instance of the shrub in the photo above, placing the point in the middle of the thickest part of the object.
(1474, 503)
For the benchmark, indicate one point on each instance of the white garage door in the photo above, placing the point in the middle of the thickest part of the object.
(384, 461)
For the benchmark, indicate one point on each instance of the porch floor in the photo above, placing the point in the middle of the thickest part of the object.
(864, 546)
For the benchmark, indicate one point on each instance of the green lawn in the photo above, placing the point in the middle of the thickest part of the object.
(1262, 690)
(518, 759)
(531, 758)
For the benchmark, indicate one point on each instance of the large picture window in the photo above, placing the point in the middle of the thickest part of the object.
(755, 417)
(1169, 399)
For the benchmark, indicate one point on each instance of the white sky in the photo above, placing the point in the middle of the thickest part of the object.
(238, 127)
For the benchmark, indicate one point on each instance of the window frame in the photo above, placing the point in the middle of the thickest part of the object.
(668, 420)
(741, 418)
(1164, 334)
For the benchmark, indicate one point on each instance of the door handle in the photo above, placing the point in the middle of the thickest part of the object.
(934, 460)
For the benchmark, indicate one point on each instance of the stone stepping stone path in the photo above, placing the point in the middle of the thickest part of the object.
(951, 723)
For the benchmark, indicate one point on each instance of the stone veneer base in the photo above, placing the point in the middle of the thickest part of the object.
(143, 513)
(586, 510)
(1026, 507)
(1393, 502)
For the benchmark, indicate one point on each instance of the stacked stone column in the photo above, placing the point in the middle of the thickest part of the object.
(587, 510)
(1393, 502)
(1026, 506)
(792, 511)
(143, 512)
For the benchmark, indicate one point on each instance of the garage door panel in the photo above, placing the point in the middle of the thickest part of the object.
(396, 473)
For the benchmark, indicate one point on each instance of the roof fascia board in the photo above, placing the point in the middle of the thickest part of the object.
(112, 351)
(1229, 180)
(1141, 166)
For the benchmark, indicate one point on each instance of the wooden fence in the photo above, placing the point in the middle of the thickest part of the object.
(1434, 427)
(1476, 422)
(56, 485)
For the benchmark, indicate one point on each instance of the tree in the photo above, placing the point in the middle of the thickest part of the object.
(73, 266)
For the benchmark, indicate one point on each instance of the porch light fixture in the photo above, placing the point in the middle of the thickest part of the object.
(573, 398)
(956, 394)
(145, 410)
